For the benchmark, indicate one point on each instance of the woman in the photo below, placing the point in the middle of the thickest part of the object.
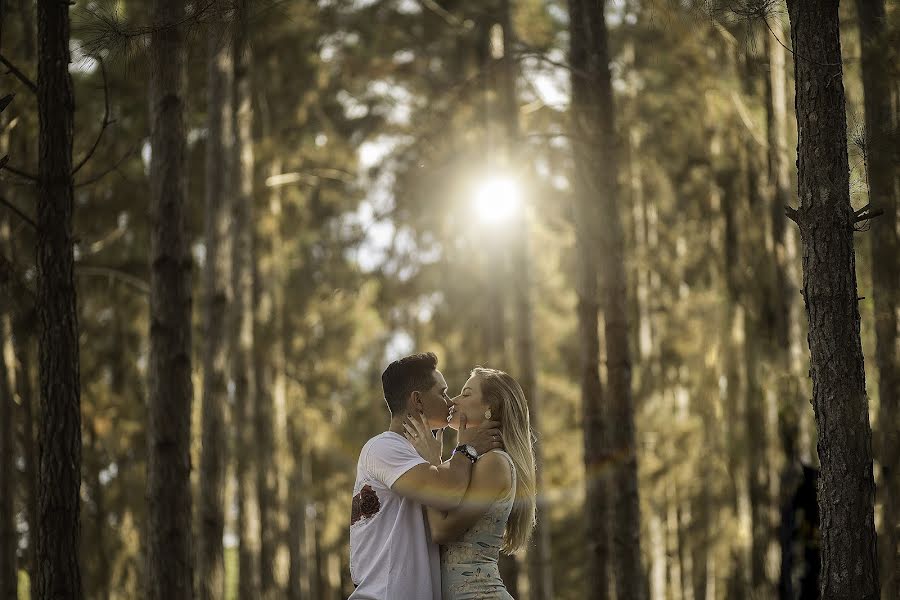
(498, 510)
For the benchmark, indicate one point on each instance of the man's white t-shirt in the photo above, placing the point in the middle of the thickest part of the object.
(392, 556)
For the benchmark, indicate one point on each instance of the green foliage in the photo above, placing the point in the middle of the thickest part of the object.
(372, 122)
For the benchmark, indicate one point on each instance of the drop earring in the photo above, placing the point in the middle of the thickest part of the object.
(488, 414)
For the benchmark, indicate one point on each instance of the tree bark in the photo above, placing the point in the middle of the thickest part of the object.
(169, 547)
(263, 430)
(23, 350)
(59, 575)
(242, 344)
(298, 578)
(846, 486)
(217, 293)
(9, 539)
(882, 155)
(540, 574)
(626, 547)
(586, 121)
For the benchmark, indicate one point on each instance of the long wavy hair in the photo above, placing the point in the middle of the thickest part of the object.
(507, 402)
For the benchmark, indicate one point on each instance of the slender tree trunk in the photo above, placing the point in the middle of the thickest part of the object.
(243, 256)
(586, 121)
(538, 556)
(23, 350)
(755, 405)
(169, 548)
(786, 343)
(9, 539)
(101, 585)
(629, 573)
(59, 575)
(266, 484)
(882, 156)
(280, 342)
(299, 574)
(826, 219)
(217, 293)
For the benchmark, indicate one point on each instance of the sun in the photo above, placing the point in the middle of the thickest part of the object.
(497, 199)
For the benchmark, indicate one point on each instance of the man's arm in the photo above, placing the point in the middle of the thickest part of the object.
(443, 486)
(440, 487)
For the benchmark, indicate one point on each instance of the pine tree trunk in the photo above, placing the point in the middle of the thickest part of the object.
(9, 539)
(755, 405)
(169, 548)
(539, 563)
(59, 575)
(586, 122)
(242, 346)
(882, 156)
(100, 587)
(266, 485)
(826, 219)
(217, 292)
(23, 350)
(278, 361)
(23, 328)
(299, 573)
(626, 548)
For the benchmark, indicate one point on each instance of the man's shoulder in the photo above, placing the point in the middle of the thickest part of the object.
(384, 441)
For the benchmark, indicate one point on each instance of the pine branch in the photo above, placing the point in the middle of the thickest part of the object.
(792, 214)
(15, 171)
(19, 74)
(18, 212)
(102, 174)
(106, 120)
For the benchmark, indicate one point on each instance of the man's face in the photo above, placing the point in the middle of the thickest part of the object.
(435, 402)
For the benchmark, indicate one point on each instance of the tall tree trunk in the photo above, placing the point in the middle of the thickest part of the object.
(263, 431)
(217, 293)
(786, 344)
(94, 465)
(9, 539)
(586, 122)
(24, 326)
(59, 575)
(298, 579)
(539, 562)
(278, 360)
(626, 548)
(23, 349)
(169, 549)
(826, 220)
(755, 405)
(881, 159)
(243, 256)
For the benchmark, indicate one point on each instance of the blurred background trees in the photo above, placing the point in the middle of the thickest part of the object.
(334, 217)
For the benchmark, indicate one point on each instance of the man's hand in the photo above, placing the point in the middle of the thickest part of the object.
(419, 435)
(483, 438)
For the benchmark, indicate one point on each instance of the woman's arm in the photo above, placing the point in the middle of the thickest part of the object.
(490, 479)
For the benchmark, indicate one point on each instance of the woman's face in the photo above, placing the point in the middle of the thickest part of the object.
(470, 403)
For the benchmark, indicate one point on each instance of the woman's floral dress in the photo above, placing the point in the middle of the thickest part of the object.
(469, 566)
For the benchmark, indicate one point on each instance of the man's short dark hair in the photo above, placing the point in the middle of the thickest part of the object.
(407, 375)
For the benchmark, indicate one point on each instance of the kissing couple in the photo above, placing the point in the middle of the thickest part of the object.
(423, 528)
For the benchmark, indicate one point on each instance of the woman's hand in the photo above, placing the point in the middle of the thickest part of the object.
(419, 435)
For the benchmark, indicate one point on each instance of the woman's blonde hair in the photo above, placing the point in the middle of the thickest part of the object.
(507, 402)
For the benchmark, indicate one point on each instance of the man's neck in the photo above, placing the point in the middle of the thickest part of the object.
(396, 425)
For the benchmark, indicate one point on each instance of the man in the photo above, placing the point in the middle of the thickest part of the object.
(392, 556)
